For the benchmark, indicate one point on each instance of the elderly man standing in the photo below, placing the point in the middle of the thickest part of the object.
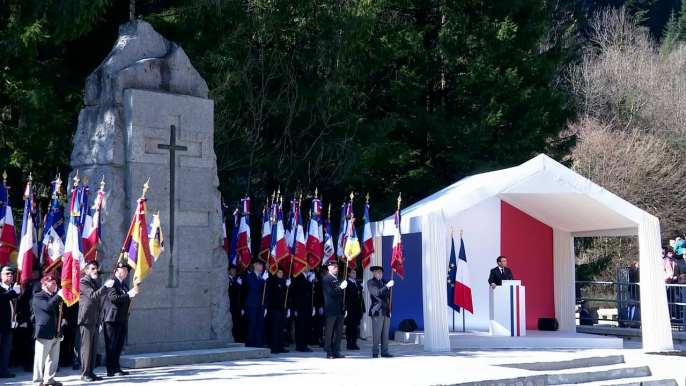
(115, 313)
(333, 310)
(45, 309)
(90, 293)
(9, 291)
(379, 293)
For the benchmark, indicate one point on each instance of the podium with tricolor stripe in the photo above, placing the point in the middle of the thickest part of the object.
(507, 309)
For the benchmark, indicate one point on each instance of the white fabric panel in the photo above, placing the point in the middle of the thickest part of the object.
(656, 329)
(563, 273)
(366, 322)
(435, 259)
(481, 226)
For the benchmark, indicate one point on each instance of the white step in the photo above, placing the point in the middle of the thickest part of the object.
(600, 373)
(641, 381)
(578, 363)
(175, 358)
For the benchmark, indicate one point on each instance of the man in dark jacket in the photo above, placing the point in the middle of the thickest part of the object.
(115, 312)
(23, 335)
(354, 304)
(500, 273)
(46, 310)
(379, 293)
(235, 282)
(333, 311)
(90, 293)
(254, 309)
(9, 292)
(303, 309)
(278, 310)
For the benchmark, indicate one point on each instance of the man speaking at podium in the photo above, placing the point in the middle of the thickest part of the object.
(500, 273)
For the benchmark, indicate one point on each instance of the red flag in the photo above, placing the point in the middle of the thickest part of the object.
(265, 243)
(90, 240)
(73, 258)
(299, 247)
(8, 234)
(314, 240)
(279, 249)
(26, 241)
(243, 244)
(397, 256)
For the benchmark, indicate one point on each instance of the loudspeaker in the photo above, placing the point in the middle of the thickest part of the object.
(548, 324)
(407, 325)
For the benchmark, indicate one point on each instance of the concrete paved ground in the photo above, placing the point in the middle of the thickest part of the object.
(411, 366)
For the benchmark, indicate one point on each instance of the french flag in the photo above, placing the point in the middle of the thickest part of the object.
(463, 292)
(25, 258)
(225, 245)
(328, 243)
(314, 240)
(90, 239)
(265, 243)
(8, 235)
(243, 243)
(397, 254)
(299, 246)
(367, 241)
(233, 254)
(279, 249)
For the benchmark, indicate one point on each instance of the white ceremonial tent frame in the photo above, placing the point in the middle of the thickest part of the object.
(558, 197)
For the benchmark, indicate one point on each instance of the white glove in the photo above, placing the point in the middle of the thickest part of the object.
(296, 314)
(265, 275)
(288, 282)
(132, 293)
(321, 311)
(288, 314)
(109, 283)
(99, 328)
(362, 284)
(242, 312)
(239, 281)
(346, 314)
(313, 312)
(265, 312)
(63, 322)
(390, 284)
(16, 288)
(59, 293)
(310, 276)
(344, 285)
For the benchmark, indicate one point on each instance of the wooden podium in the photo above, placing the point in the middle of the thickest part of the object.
(507, 310)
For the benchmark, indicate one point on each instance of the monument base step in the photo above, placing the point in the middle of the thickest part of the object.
(177, 346)
(176, 358)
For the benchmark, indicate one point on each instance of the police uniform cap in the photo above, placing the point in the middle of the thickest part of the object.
(376, 268)
(123, 265)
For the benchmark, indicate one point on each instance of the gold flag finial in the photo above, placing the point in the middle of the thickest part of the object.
(102, 183)
(281, 201)
(76, 179)
(85, 180)
(146, 186)
(301, 195)
(278, 193)
(30, 177)
(352, 195)
(451, 232)
(367, 197)
(329, 211)
(399, 200)
(461, 231)
(4, 176)
(316, 192)
(58, 184)
(273, 196)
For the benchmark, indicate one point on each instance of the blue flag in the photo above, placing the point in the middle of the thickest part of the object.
(452, 271)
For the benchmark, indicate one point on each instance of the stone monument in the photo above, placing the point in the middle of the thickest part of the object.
(147, 115)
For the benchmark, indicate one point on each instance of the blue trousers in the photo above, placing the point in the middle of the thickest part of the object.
(255, 321)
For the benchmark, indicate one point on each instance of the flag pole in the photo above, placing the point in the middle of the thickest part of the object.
(347, 262)
(135, 285)
(271, 236)
(463, 310)
(390, 299)
(290, 271)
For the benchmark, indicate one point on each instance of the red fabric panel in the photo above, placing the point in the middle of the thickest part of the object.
(528, 245)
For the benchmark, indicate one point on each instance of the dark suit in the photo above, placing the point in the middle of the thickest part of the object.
(23, 335)
(379, 295)
(301, 303)
(90, 293)
(7, 304)
(354, 304)
(585, 318)
(634, 277)
(235, 309)
(254, 310)
(277, 313)
(318, 320)
(333, 312)
(625, 317)
(115, 312)
(496, 277)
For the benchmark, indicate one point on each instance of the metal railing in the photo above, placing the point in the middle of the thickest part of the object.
(609, 297)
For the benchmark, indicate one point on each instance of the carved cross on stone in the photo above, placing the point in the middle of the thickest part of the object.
(132, 9)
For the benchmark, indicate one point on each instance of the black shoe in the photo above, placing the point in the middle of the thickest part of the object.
(7, 375)
(387, 355)
(375, 355)
(121, 373)
(87, 379)
(95, 377)
(338, 355)
(330, 356)
(110, 374)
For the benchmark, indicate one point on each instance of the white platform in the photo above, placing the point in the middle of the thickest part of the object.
(533, 339)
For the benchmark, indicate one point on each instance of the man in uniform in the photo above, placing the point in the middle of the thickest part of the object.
(278, 310)
(354, 304)
(333, 311)
(255, 310)
(235, 304)
(9, 292)
(90, 293)
(379, 293)
(303, 309)
(115, 313)
(45, 309)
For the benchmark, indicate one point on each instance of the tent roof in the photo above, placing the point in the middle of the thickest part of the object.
(540, 187)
